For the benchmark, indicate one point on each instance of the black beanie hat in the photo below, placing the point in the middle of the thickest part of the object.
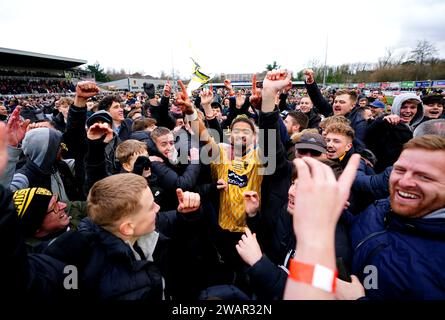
(32, 206)
(433, 98)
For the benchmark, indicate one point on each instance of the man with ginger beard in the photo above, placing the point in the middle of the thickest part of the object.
(403, 236)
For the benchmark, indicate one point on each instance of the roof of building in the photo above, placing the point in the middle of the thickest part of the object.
(26, 59)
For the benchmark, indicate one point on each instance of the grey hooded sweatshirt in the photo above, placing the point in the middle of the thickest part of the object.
(397, 105)
(40, 146)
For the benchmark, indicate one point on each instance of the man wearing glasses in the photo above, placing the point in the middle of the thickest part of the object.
(44, 217)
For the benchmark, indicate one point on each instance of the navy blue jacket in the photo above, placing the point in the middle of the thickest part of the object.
(125, 129)
(408, 253)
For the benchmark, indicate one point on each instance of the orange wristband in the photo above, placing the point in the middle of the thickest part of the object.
(317, 276)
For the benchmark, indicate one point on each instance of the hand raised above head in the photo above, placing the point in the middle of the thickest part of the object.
(229, 87)
(16, 128)
(167, 89)
(319, 197)
(86, 89)
(255, 98)
(183, 100)
(3, 148)
(207, 96)
(309, 76)
(98, 130)
(276, 80)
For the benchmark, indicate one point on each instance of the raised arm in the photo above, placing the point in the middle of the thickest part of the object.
(317, 208)
(14, 132)
(75, 136)
(269, 118)
(164, 118)
(187, 107)
(314, 93)
(99, 134)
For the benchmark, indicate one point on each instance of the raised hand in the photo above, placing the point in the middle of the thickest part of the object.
(288, 87)
(273, 82)
(98, 130)
(207, 96)
(188, 201)
(36, 125)
(309, 76)
(255, 98)
(167, 89)
(251, 202)
(321, 198)
(276, 80)
(240, 99)
(248, 248)
(229, 87)
(16, 128)
(84, 90)
(183, 100)
(3, 148)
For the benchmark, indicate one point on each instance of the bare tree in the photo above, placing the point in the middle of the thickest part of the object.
(423, 51)
(387, 60)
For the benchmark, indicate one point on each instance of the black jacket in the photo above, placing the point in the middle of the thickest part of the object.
(314, 119)
(386, 141)
(59, 121)
(161, 114)
(24, 276)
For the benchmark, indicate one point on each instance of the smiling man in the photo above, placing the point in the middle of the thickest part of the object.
(121, 126)
(403, 237)
(44, 217)
(338, 139)
(433, 105)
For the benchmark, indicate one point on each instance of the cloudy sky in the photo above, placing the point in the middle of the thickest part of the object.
(229, 36)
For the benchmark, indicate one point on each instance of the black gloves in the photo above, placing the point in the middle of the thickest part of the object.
(142, 163)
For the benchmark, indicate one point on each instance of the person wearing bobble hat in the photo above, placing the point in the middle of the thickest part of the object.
(44, 217)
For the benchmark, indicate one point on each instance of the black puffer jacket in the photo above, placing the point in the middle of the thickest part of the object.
(170, 176)
(24, 276)
(314, 119)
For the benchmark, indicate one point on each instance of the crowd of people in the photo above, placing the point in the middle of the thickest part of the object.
(266, 193)
(14, 86)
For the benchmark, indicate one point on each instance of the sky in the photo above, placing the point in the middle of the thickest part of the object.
(229, 36)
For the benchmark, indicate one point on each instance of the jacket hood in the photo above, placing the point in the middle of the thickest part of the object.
(41, 146)
(397, 105)
(141, 136)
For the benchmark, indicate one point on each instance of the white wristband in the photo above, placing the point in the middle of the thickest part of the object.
(191, 117)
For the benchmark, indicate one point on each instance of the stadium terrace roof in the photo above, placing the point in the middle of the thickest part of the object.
(25, 59)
